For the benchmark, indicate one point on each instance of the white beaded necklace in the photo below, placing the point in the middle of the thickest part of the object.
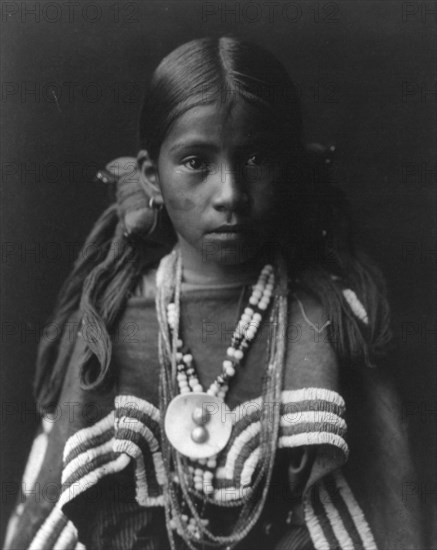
(243, 335)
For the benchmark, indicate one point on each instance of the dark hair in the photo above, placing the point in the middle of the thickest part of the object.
(220, 70)
(322, 256)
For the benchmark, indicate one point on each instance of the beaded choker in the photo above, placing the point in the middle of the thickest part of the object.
(192, 434)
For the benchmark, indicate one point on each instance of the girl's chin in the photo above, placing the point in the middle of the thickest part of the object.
(229, 251)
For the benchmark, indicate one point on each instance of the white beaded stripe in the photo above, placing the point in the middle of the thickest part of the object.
(159, 468)
(249, 467)
(67, 538)
(314, 528)
(355, 511)
(86, 434)
(312, 394)
(296, 418)
(135, 403)
(134, 451)
(142, 491)
(93, 477)
(314, 438)
(227, 471)
(138, 427)
(55, 517)
(335, 520)
(128, 447)
(85, 458)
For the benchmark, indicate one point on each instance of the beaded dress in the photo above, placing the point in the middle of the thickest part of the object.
(100, 457)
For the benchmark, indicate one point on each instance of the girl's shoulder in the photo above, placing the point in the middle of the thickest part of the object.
(311, 359)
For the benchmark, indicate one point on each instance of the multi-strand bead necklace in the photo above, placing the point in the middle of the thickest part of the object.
(202, 470)
(189, 477)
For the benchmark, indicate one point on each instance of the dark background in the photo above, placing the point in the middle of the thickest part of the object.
(366, 71)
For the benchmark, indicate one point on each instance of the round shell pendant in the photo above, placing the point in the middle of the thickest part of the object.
(198, 425)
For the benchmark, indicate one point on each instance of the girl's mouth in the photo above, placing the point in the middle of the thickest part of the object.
(229, 233)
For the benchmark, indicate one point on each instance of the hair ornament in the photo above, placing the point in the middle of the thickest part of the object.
(356, 306)
(137, 211)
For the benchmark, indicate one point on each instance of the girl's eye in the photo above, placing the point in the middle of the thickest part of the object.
(195, 163)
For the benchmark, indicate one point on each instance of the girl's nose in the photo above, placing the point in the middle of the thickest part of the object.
(230, 193)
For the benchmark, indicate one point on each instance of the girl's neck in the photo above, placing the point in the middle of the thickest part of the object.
(206, 272)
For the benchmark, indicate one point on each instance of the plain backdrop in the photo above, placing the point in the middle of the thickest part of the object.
(73, 75)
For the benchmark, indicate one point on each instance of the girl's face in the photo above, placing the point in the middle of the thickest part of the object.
(219, 171)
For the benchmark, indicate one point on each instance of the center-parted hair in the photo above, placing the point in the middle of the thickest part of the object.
(315, 233)
(219, 70)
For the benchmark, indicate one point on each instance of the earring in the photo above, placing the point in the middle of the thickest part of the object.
(154, 205)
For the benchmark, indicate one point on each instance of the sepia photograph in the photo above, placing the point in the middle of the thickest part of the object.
(218, 275)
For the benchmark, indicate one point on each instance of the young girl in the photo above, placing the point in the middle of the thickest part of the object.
(214, 329)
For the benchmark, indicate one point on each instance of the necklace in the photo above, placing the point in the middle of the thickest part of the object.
(182, 499)
(202, 433)
(196, 422)
(243, 335)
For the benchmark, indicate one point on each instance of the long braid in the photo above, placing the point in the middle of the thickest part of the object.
(104, 294)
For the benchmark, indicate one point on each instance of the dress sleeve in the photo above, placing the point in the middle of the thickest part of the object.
(312, 408)
(355, 493)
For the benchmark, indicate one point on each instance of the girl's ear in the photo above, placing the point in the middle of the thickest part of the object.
(149, 177)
